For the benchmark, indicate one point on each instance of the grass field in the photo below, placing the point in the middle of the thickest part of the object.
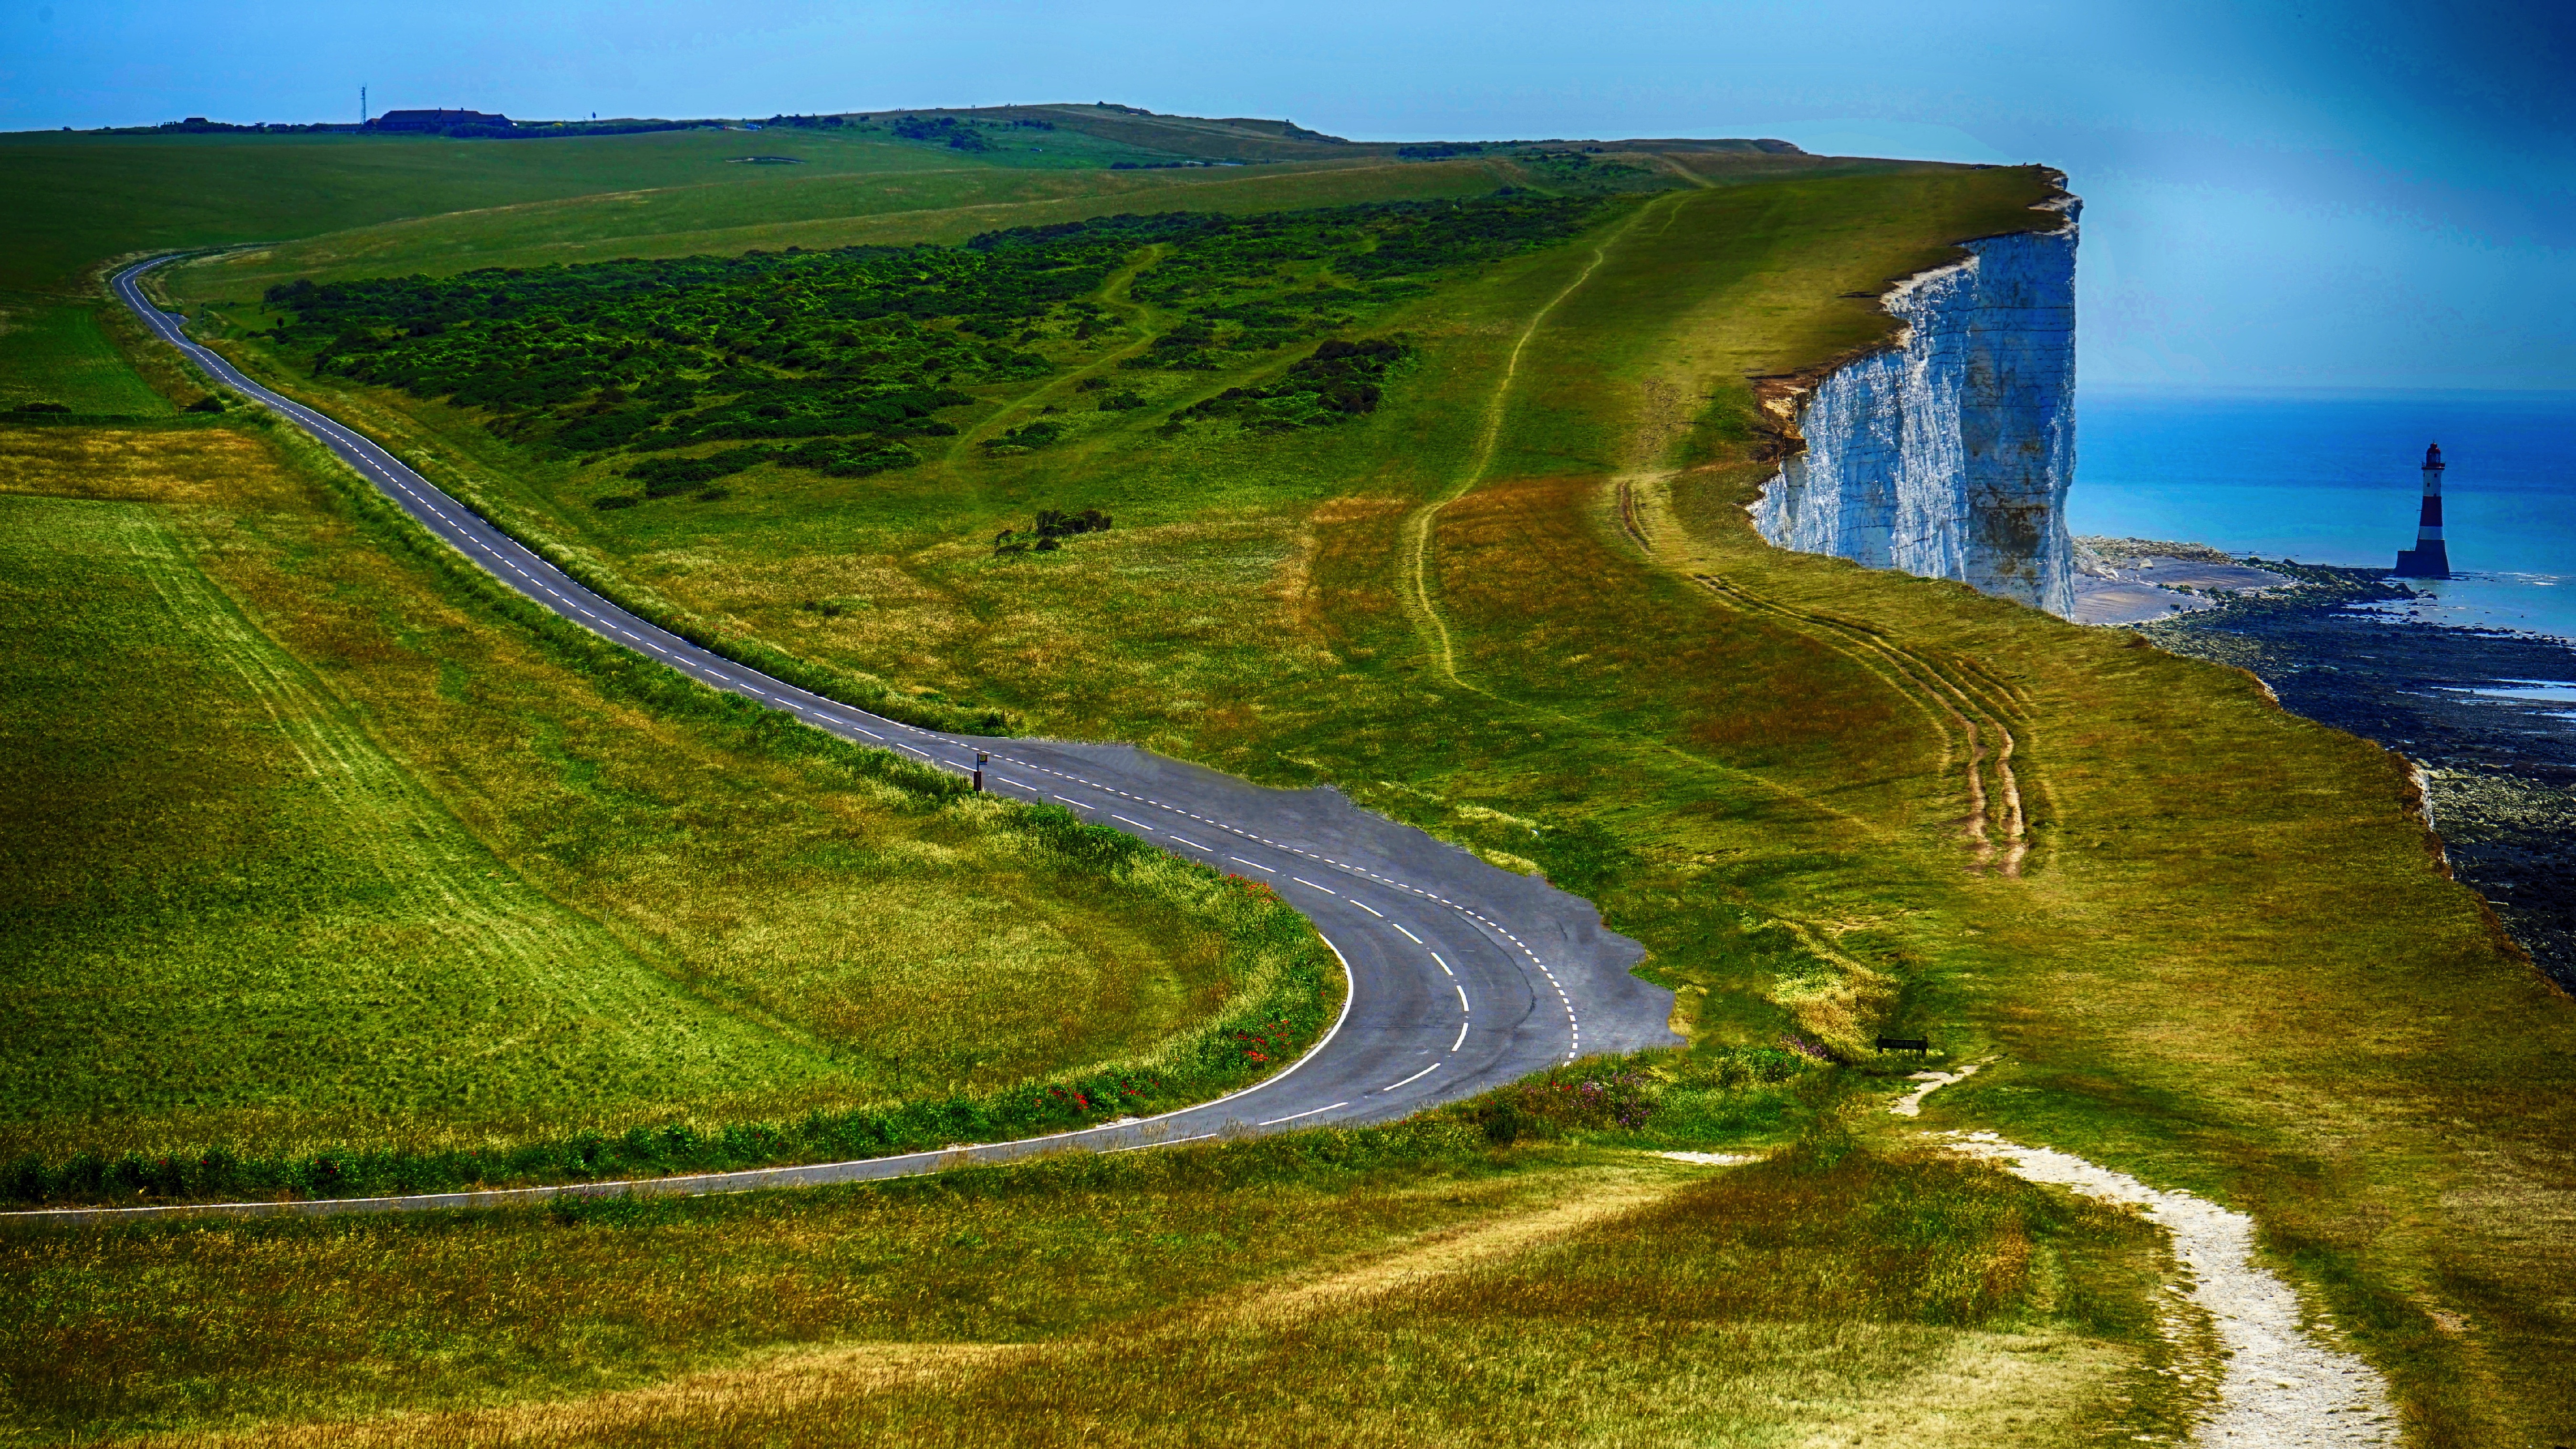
(82, 198)
(52, 351)
(1520, 606)
(236, 917)
(1382, 1287)
(305, 852)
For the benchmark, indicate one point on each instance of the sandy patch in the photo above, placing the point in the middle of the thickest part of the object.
(2119, 588)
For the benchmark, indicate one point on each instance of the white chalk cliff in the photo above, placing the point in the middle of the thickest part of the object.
(1948, 454)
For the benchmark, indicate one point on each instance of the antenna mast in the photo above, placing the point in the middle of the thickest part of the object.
(362, 105)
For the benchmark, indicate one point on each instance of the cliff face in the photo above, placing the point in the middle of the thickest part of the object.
(1949, 454)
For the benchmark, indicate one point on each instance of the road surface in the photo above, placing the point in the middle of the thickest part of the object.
(1462, 977)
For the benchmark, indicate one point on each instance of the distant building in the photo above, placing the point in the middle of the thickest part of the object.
(2430, 558)
(435, 120)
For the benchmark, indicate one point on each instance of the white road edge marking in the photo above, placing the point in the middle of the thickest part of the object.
(1417, 1076)
(1293, 1116)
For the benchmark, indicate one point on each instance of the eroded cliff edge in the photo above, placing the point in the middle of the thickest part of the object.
(1947, 453)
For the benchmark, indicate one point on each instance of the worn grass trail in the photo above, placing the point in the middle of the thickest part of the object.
(1419, 524)
(1243, 1295)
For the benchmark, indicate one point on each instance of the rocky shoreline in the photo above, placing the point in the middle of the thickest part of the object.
(2499, 771)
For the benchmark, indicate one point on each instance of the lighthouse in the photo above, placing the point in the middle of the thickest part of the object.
(2428, 559)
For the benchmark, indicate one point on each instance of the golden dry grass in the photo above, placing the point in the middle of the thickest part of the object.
(1619, 1304)
(192, 466)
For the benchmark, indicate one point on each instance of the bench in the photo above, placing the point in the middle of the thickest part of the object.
(1915, 1044)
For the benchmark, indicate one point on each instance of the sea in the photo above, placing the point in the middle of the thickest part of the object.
(2333, 478)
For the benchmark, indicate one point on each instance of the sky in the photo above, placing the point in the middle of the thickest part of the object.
(2354, 194)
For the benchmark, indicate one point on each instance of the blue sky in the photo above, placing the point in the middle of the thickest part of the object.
(2360, 194)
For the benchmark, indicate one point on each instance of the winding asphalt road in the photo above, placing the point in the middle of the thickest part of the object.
(1462, 976)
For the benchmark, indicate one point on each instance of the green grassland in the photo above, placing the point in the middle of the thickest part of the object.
(82, 197)
(309, 849)
(244, 910)
(53, 351)
(79, 198)
(1518, 603)
(1398, 1285)
(773, 212)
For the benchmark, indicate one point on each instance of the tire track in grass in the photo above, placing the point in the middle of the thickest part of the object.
(1925, 679)
(1417, 527)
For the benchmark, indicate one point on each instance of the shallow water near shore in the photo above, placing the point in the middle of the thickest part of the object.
(2332, 478)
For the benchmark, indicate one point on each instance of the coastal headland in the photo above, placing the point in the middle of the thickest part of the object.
(1404, 489)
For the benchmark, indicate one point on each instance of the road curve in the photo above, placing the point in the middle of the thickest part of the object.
(1462, 976)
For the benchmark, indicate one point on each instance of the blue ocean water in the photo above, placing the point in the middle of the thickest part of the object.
(2332, 478)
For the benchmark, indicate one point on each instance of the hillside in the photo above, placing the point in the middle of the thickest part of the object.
(1424, 479)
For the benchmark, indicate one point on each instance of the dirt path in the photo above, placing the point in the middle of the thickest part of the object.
(1970, 708)
(2283, 1388)
(1911, 1104)
(1109, 295)
(1417, 528)
(1441, 1254)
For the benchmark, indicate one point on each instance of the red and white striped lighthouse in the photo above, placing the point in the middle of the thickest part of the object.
(2429, 558)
